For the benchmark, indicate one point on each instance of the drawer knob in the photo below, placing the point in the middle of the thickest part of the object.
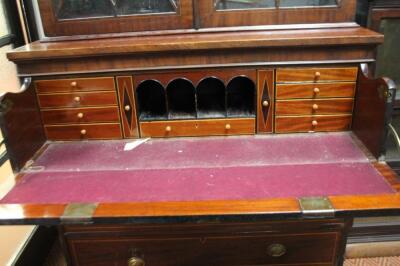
(276, 250)
(77, 99)
(135, 261)
(127, 108)
(227, 126)
(83, 132)
(80, 115)
(265, 103)
(314, 123)
(316, 90)
(74, 84)
(315, 107)
(317, 75)
(168, 129)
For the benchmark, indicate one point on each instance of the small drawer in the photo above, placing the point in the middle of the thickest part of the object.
(72, 85)
(81, 115)
(78, 99)
(198, 127)
(314, 107)
(296, 249)
(321, 90)
(316, 74)
(81, 132)
(286, 124)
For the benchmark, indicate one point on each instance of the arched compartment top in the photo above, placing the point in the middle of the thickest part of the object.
(181, 97)
(241, 97)
(151, 101)
(211, 100)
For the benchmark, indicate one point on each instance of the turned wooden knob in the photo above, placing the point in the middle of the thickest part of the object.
(265, 103)
(127, 108)
(168, 129)
(317, 75)
(83, 132)
(227, 126)
(74, 84)
(135, 261)
(276, 250)
(77, 99)
(80, 115)
(316, 90)
(314, 123)
(315, 107)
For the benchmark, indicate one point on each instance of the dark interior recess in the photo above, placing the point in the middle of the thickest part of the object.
(181, 99)
(211, 98)
(151, 101)
(241, 97)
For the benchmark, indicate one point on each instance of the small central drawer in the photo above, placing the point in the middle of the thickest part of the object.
(316, 74)
(314, 106)
(72, 85)
(84, 131)
(189, 128)
(320, 90)
(80, 115)
(78, 99)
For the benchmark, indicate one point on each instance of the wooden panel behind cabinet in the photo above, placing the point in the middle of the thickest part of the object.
(127, 107)
(265, 101)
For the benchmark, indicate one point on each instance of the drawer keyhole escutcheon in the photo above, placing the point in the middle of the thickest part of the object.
(77, 99)
(315, 107)
(314, 123)
(168, 129)
(276, 250)
(135, 261)
(80, 115)
(83, 132)
(265, 103)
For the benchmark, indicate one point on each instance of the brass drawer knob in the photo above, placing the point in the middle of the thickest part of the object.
(83, 132)
(265, 103)
(127, 108)
(135, 261)
(74, 84)
(276, 250)
(315, 107)
(316, 90)
(317, 75)
(80, 115)
(168, 128)
(227, 126)
(77, 99)
(314, 123)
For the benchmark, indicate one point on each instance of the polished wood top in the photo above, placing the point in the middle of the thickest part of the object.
(198, 41)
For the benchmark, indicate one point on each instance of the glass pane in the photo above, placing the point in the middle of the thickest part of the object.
(307, 3)
(388, 58)
(78, 9)
(132, 7)
(243, 4)
(4, 27)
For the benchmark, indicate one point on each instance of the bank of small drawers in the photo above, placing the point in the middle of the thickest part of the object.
(314, 99)
(74, 109)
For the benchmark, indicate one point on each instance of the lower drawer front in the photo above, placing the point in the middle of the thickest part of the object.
(298, 249)
(83, 131)
(288, 124)
(198, 127)
(81, 115)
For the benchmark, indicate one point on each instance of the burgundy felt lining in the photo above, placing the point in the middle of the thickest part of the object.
(200, 169)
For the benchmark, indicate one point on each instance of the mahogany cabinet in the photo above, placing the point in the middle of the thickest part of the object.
(199, 132)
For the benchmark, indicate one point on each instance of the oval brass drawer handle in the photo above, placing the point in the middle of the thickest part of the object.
(135, 261)
(276, 250)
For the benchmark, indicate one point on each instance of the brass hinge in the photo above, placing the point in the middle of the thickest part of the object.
(316, 207)
(78, 213)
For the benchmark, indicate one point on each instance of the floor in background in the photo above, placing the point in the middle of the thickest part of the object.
(384, 261)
